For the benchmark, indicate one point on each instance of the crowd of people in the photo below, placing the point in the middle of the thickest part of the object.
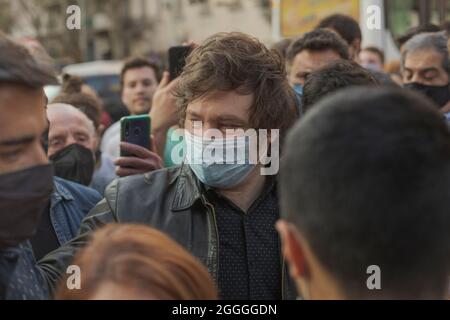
(364, 152)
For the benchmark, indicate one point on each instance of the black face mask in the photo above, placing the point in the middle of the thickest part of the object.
(74, 163)
(439, 94)
(24, 196)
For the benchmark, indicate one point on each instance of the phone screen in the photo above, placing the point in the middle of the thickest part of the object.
(136, 130)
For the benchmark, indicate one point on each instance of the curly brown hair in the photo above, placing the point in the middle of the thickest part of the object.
(318, 40)
(238, 62)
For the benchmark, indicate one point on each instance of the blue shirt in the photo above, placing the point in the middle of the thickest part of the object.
(104, 175)
(70, 203)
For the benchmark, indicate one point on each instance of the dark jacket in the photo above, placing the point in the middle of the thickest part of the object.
(170, 200)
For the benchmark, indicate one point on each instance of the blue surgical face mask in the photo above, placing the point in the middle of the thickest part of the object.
(218, 174)
(299, 90)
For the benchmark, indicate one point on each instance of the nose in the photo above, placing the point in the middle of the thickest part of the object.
(70, 140)
(140, 88)
(208, 128)
(415, 78)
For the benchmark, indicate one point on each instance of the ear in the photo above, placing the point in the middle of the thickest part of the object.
(292, 250)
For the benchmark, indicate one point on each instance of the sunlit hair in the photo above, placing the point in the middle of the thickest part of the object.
(142, 259)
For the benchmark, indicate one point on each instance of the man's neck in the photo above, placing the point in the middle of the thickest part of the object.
(248, 191)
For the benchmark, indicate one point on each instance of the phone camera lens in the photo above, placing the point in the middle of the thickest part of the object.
(137, 131)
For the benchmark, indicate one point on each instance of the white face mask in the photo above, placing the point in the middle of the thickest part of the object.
(219, 163)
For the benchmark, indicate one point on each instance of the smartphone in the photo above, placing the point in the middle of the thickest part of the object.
(177, 60)
(135, 130)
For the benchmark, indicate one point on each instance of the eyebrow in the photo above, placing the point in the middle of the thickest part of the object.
(141, 80)
(223, 118)
(17, 142)
(194, 114)
(422, 70)
(429, 69)
(82, 132)
(303, 74)
(56, 136)
(231, 118)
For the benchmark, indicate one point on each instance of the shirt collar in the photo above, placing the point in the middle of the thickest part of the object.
(269, 187)
(189, 189)
(60, 193)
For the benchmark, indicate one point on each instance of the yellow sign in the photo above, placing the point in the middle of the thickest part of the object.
(300, 16)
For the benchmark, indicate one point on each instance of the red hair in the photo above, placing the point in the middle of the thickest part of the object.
(142, 259)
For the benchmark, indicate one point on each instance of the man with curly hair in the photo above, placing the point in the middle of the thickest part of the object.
(224, 213)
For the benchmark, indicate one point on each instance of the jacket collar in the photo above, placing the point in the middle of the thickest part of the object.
(60, 193)
(188, 190)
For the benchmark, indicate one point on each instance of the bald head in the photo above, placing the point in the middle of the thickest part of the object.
(68, 126)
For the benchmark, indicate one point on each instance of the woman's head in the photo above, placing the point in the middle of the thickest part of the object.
(132, 262)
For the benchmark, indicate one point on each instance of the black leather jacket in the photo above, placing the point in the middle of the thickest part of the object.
(170, 200)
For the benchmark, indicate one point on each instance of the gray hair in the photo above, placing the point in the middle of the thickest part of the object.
(430, 40)
(71, 110)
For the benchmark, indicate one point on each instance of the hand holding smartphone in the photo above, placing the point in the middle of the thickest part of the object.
(135, 130)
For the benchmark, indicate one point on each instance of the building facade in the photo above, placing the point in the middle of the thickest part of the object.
(113, 29)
